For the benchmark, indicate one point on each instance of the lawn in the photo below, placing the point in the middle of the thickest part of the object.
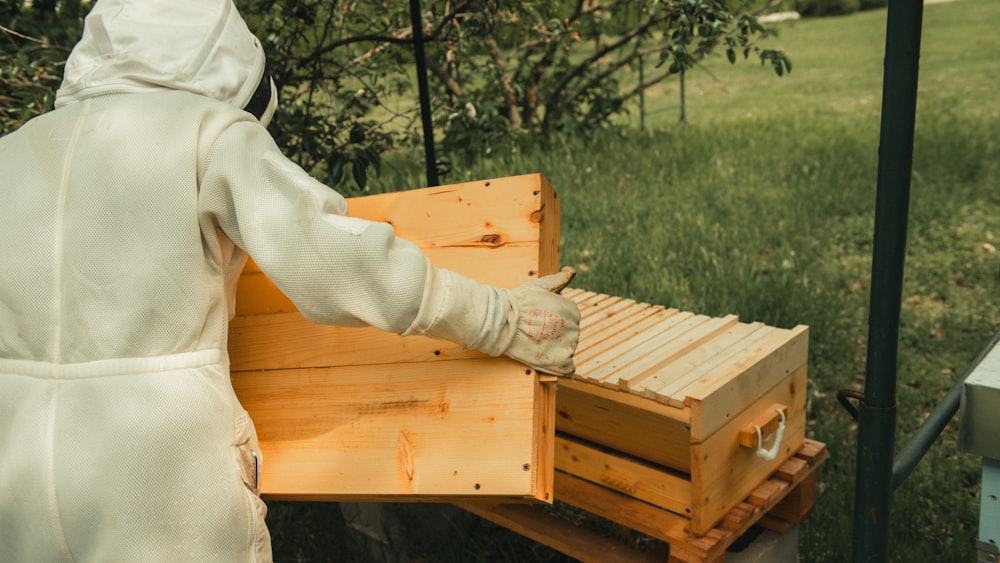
(762, 205)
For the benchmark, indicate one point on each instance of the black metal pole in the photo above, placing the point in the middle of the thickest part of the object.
(877, 411)
(425, 97)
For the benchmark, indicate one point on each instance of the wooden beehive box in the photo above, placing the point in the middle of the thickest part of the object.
(359, 414)
(665, 405)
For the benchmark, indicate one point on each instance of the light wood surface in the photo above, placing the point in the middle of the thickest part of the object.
(461, 428)
(677, 390)
(360, 414)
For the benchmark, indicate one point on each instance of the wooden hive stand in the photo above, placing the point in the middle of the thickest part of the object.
(782, 501)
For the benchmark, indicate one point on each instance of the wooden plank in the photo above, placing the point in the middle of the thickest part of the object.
(678, 554)
(740, 514)
(715, 402)
(592, 311)
(812, 451)
(543, 463)
(586, 299)
(486, 214)
(799, 503)
(634, 478)
(256, 294)
(660, 352)
(597, 319)
(548, 218)
(747, 352)
(600, 347)
(502, 231)
(289, 340)
(670, 336)
(723, 473)
(769, 492)
(664, 380)
(621, 316)
(629, 512)
(394, 432)
(548, 529)
(622, 421)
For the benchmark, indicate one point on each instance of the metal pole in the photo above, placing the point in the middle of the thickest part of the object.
(877, 411)
(425, 97)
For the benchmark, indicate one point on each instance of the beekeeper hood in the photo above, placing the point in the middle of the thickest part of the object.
(199, 46)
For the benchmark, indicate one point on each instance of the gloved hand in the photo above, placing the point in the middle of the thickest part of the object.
(531, 323)
(546, 325)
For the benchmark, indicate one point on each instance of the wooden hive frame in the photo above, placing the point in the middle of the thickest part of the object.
(359, 414)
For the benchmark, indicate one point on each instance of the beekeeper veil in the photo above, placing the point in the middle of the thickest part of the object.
(200, 46)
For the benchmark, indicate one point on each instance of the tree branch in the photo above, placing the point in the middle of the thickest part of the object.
(557, 92)
(451, 86)
(508, 91)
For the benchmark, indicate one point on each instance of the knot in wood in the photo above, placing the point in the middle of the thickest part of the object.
(492, 239)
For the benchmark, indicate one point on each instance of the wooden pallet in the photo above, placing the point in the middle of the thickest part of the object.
(782, 500)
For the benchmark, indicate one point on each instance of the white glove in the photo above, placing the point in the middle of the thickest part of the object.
(546, 324)
(531, 323)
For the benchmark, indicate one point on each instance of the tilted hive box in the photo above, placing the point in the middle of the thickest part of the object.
(360, 414)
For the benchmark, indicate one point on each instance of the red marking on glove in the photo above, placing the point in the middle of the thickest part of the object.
(543, 325)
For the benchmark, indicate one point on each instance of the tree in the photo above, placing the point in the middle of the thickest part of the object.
(335, 63)
(503, 70)
(35, 39)
(551, 66)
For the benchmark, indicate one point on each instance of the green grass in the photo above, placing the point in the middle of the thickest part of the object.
(837, 70)
(763, 205)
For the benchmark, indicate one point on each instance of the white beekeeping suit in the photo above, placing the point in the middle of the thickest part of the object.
(127, 215)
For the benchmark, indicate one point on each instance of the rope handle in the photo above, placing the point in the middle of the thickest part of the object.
(771, 453)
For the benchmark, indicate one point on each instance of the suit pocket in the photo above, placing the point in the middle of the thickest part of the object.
(248, 452)
(250, 463)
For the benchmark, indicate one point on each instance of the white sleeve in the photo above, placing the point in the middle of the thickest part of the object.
(337, 269)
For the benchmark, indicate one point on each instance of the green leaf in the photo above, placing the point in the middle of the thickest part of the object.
(360, 170)
(357, 134)
(334, 169)
(375, 159)
(731, 55)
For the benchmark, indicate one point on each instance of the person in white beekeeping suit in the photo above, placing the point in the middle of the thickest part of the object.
(128, 213)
